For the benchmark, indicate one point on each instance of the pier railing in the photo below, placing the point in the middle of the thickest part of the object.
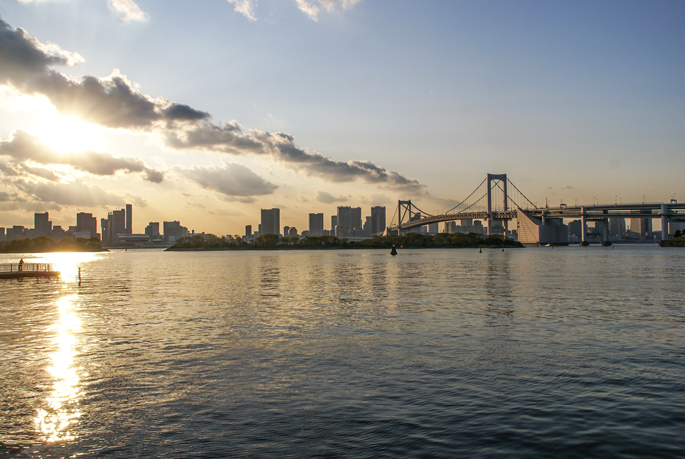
(20, 267)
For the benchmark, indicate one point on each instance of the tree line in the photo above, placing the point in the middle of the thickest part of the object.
(44, 244)
(410, 240)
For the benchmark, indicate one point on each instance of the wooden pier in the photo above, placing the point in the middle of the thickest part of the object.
(18, 270)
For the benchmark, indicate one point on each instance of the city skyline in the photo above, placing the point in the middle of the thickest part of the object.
(277, 105)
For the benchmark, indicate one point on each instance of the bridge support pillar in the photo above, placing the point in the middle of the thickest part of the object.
(583, 226)
(664, 222)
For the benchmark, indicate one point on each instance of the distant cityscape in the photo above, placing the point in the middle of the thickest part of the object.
(117, 228)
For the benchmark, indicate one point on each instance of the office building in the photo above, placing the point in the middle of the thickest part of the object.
(334, 224)
(641, 226)
(271, 221)
(16, 232)
(129, 219)
(617, 227)
(433, 228)
(315, 225)
(2, 234)
(378, 220)
(349, 221)
(41, 225)
(86, 223)
(292, 232)
(248, 230)
(173, 231)
(286, 230)
(152, 229)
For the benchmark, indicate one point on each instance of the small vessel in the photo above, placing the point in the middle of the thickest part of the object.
(393, 251)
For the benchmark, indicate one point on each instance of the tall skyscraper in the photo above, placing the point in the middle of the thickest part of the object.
(641, 226)
(115, 224)
(617, 227)
(377, 219)
(248, 230)
(349, 220)
(271, 221)
(129, 219)
(316, 224)
(334, 223)
(86, 222)
(286, 231)
(41, 224)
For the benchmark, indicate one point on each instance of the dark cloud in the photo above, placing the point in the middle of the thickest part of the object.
(23, 147)
(233, 181)
(328, 198)
(115, 102)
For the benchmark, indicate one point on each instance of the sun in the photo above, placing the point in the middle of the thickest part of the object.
(65, 134)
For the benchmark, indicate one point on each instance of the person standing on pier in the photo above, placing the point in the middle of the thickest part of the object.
(21, 264)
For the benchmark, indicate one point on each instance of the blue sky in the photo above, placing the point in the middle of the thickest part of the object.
(571, 99)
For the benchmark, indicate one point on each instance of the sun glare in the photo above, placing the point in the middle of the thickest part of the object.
(64, 134)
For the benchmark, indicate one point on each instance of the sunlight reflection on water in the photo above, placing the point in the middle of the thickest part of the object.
(55, 421)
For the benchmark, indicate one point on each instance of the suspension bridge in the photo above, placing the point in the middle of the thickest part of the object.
(497, 201)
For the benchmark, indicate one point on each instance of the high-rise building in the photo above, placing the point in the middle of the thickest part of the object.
(86, 222)
(316, 224)
(377, 219)
(174, 231)
(349, 220)
(271, 221)
(41, 224)
(334, 224)
(641, 226)
(152, 229)
(617, 227)
(248, 230)
(113, 225)
(292, 232)
(129, 219)
(2, 234)
(286, 230)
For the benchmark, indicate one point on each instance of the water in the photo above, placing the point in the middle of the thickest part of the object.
(574, 352)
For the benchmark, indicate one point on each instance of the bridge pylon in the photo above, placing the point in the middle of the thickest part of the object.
(502, 178)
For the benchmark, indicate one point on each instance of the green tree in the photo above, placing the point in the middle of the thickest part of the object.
(266, 241)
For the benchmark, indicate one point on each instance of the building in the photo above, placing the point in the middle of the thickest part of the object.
(315, 225)
(286, 230)
(617, 227)
(641, 227)
(271, 221)
(129, 219)
(575, 228)
(334, 224)
(87, 223)
(533, 230)
(433, 228)
(152, 229)
(349, 220)
(41, 225)
(2, 234)
(377, 220)
(248, 230)
(292, 232)
(16, 232)
(173, 231)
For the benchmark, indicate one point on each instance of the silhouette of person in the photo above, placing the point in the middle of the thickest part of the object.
(21, 264)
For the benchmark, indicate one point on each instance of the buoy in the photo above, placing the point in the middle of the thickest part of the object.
(393, 251)
(480, 250)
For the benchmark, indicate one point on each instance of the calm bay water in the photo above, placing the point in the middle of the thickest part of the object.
(574, 352)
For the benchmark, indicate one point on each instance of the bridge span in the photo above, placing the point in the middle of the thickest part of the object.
(492, 201)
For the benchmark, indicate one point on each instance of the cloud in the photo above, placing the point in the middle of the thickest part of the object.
(312, 10)
(328, 198)
(233, 181)
(68, 194)
(245, 7)
(309, 9)
(127, 10)
(115, 102)
(22, 147)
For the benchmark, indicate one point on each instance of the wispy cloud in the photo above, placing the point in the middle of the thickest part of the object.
(245, 7)
(313, 7)
(127, 10)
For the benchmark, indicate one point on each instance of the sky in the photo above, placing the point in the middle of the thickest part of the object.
(206, 112)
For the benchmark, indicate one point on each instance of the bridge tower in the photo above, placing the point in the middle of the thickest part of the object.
(502, 178)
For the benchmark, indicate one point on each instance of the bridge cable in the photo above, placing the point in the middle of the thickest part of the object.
(467, 198)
